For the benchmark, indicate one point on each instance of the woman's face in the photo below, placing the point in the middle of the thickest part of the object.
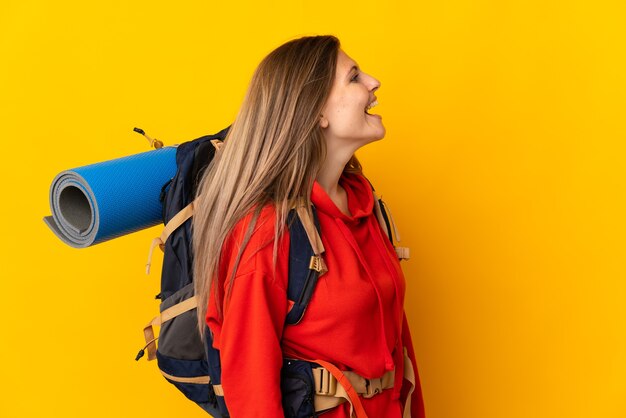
(346, 120)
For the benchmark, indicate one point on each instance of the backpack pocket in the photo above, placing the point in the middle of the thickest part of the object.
(189, 376)
(296, 384)
(180, 354)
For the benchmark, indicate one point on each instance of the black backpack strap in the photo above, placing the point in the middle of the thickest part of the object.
(305, 265)
(385, 219)
(381, 214)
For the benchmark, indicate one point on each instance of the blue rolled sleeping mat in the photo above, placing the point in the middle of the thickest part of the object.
(106, 200)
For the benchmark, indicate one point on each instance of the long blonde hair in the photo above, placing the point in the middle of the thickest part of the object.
(271, 154)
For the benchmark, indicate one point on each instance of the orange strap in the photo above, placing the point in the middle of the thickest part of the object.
(353, 397)
(351, 394)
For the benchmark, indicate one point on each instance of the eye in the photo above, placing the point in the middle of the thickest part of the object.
(355, 78)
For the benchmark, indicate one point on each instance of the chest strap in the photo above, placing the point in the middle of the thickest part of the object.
(329, 394)
(334, 387)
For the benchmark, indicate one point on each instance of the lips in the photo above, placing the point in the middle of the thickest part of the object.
(373, 103)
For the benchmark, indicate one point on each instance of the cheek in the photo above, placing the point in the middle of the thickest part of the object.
(345, 109)
(339, 105)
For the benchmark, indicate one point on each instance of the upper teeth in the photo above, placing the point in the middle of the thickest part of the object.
(371, 105)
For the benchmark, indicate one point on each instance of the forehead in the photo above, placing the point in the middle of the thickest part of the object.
(344, 63)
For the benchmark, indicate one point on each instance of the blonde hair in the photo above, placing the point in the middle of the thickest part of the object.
(271, 155)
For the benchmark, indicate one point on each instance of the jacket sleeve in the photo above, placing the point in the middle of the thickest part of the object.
(251, 355)
(417, 400)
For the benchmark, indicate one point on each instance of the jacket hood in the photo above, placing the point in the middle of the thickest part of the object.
(360, 198)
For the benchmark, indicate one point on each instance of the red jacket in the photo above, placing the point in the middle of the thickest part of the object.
(355, 319)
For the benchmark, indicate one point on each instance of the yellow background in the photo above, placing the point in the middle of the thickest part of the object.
(504, 163)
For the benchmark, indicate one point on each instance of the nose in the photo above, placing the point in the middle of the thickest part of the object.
(372, 83)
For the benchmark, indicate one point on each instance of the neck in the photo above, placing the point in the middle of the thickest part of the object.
(332, 168)
(329, 174)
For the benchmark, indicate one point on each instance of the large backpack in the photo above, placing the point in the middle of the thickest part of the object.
(186, 361)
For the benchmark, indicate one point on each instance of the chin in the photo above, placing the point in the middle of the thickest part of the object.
(376, 137)
(381, 134)
(378, 129)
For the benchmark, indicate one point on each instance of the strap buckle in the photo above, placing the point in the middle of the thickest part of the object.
(372, 387)
(325, 382)
(317, 264)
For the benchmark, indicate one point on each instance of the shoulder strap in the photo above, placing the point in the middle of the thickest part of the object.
(305, 254)
(385, 219)
(306, 264)
(381, 215)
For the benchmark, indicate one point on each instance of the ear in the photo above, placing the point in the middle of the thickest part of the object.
(323, 122)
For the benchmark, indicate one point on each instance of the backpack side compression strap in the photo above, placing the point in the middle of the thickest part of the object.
(176, 221)
(166, 315)
(204, 380)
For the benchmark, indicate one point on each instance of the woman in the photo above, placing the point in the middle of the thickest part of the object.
(305, 114)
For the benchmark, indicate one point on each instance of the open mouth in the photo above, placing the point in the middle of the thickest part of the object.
(369, 106)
